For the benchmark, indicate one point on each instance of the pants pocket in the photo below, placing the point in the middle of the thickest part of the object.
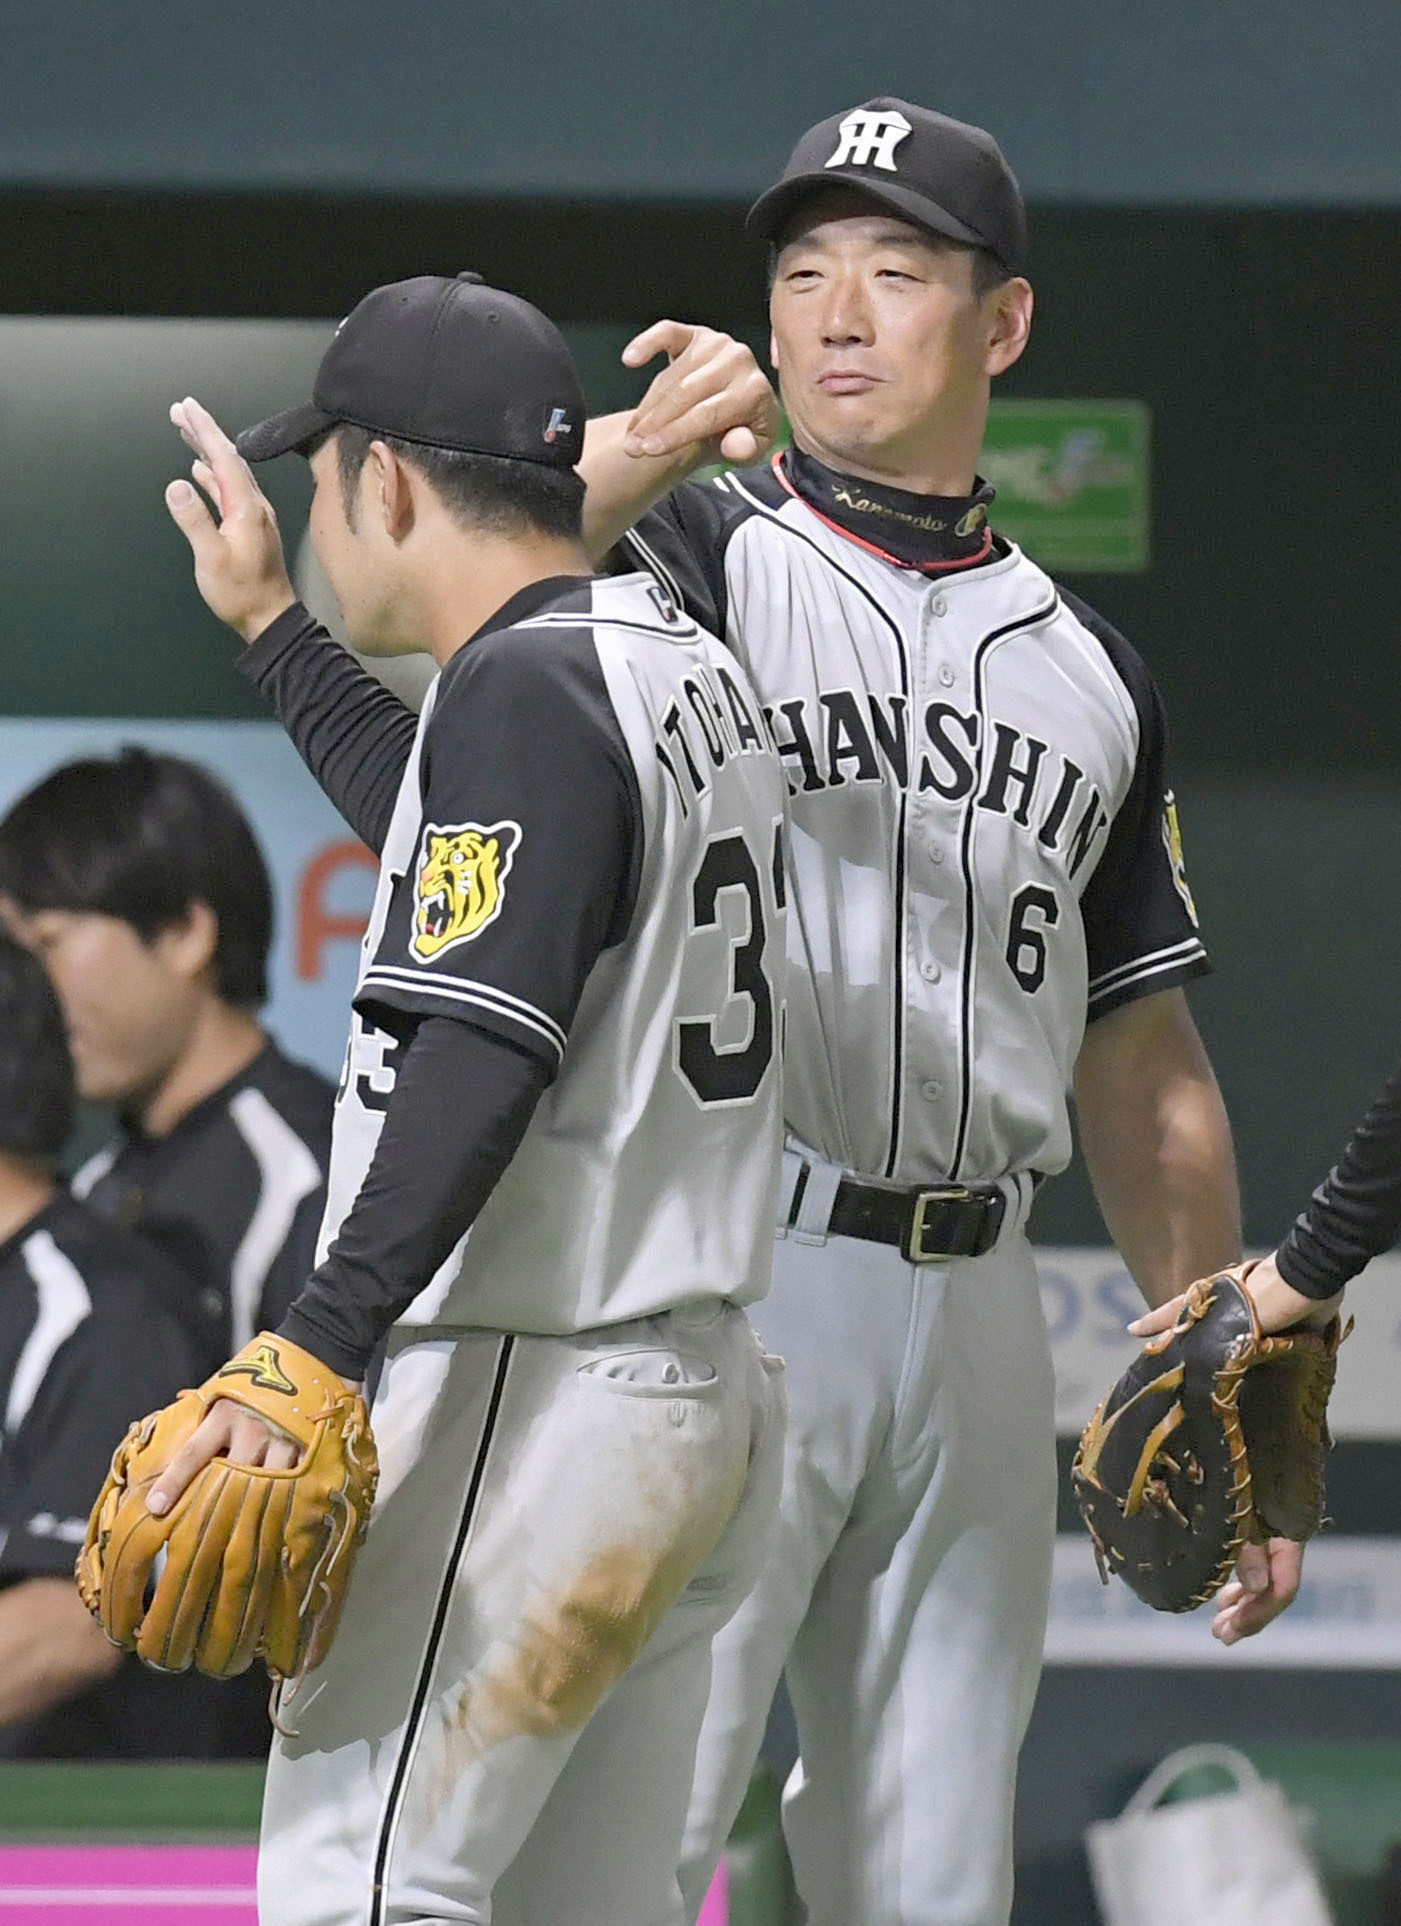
(650, 1374)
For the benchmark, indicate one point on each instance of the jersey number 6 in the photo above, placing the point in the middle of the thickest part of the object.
(1034, 911)
(733, 1074)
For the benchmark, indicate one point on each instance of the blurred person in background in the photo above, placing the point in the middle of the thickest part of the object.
(139, 883)
(87, 1342)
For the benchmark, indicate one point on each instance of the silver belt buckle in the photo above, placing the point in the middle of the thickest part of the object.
(915, 1252)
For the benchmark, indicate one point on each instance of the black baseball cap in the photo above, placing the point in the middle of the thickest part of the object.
(940, 173)
(445, 361)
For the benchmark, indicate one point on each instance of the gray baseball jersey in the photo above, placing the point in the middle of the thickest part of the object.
(984, 846)
(596, 730)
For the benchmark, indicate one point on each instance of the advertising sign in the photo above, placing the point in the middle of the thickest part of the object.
(1072, 481)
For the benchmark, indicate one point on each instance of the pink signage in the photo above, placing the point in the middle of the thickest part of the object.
(716, 1910)
(157, 1886)
(128, 1885)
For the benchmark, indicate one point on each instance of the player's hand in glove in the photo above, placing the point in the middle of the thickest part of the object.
(712, 402)
(258, 1489)
(1267, 1576)
(1208, 1449)
(240, 569)
(1278, 1306)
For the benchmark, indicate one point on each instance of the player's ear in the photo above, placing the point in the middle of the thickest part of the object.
(188, 944)
(773, 349)
(1009, 323)
(388, 490)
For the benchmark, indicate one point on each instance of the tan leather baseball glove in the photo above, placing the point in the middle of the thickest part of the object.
(257, 1561)
(1214, 1435)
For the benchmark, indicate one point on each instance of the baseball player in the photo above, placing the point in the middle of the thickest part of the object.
(987, 904)
(565, 1042)
(138, 880)
(86, 1334)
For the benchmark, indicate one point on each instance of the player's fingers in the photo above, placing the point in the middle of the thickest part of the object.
(190, 515)
(740, 445)
(1242, 1616)
(663, 337)
(1253, 1568)
(1286, 1570)
(238, 491)
(1161, 1318)
(203, 476)
(208, 1440)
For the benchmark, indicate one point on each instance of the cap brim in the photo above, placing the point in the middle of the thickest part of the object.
(769, 213)
(291, 432)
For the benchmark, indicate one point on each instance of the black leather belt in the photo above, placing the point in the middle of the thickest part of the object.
(930, 1224)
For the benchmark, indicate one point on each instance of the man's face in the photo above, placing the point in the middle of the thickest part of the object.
(128, 1005)
(356, 559)
(880, 343)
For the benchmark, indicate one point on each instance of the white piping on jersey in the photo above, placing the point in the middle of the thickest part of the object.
(1144, 966)
(656, 566)
(965, 850)
(64, 1304)
(897, 999)
(465, 990)
(90, 1174)
(289, 1174)
(557, 619)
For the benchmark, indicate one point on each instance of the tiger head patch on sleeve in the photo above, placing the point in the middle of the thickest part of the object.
(459, 883)
(1172, 842)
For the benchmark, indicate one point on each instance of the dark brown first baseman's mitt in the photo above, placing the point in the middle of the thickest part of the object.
(1213, 1436)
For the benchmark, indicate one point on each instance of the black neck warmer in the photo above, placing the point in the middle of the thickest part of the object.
(933, 532)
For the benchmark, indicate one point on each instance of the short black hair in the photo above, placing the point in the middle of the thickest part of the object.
(142, 837)
(37, 1093)
(490, 492)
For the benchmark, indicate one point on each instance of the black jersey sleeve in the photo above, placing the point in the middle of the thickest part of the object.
(118, 1365)
(434, 1167)
(351, 732)
(526, 863)
(1355, 1214)
(1141, 932)
(681, 544)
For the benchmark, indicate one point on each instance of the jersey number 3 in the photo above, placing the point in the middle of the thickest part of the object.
(732, 1074)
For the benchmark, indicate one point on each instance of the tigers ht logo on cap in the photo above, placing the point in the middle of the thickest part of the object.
(460, 884)
(869, 140)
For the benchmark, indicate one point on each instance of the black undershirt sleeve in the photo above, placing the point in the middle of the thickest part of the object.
(1355, 1214)
(436, 1163)
(352, 733)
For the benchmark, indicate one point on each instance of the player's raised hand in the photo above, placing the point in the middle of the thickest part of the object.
(712, 396)
(239, 565)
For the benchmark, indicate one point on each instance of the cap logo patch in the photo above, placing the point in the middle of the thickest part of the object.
(460, 884)
(869, 140)
(558, 424)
